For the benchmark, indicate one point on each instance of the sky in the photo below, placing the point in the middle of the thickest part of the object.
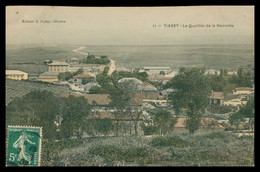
(129, 25)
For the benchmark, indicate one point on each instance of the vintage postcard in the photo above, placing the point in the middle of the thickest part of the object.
(130, 86)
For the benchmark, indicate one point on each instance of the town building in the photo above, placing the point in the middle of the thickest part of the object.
(103, 100)
(148, 91)
(166, 92)
(58, 66)
(88, 86)
(16, 74)
(49, 76)
(212, 72)
(235, 102)
(232, 73)
(243, 91)
(74, 60)
(217, 98)
(156, 70)
(84, 77)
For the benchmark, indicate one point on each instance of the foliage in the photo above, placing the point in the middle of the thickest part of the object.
(98, 90)
(38, 108)
(142, 156)
(74, 112)
(164, 121)
(244, 78)
(150, 130)
(219, 109)
(135, 74)
(201, 149)
(79, 71)
(93, 60)
(193, 91)
(246, 111)
(193, 121)
(96, 126)
(173, 141)
(51, 149)
(216, 135)
(65, 76)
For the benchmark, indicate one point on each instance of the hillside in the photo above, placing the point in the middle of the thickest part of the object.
(201, 149)
(15, 88)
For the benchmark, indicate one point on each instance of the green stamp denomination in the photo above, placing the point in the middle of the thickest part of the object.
(24, 146)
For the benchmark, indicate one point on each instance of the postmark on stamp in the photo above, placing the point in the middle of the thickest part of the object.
(24, 146)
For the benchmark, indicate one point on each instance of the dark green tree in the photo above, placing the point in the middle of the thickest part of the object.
(244, 78)
(104, 126)
(65, 76)
(193, 91)
(164, 121)
(74, 113)
(38, 108)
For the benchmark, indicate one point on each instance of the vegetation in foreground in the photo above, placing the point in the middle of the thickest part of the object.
(201, 149)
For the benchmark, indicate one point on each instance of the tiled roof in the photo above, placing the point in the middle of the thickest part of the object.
(111, 115)
(103, 99)
(99, 99)
(145, 86)
(217, 95)
(135, 80)
(14, 72)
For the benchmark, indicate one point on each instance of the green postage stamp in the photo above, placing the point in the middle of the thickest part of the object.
(24, 146)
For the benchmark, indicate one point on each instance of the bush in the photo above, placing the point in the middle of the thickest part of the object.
(169, 141)
(220, 109)
(216, 135)
(51, 149)
(150, 130)
(112, 153)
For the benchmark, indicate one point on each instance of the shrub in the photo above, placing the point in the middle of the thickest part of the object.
(216, 135)
(220, 109)
(169, 141)
(149, 130)
(52, 149)
(112, 153)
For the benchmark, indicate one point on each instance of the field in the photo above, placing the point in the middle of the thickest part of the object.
(200, 149)
(15, 88)
(30, 58)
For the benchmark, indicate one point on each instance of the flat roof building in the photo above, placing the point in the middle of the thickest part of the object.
(59, 66)
(148, 68)
(49, 76)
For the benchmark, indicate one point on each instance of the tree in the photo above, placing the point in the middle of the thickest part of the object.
(37, 108)
(104, 126)
(65, 76)
(74, 113)
(164, 121)
(193, 91)
(236, 118)
(91, 57)
(244, 78)
(79, 71)
(246, 111)
(119, 101)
